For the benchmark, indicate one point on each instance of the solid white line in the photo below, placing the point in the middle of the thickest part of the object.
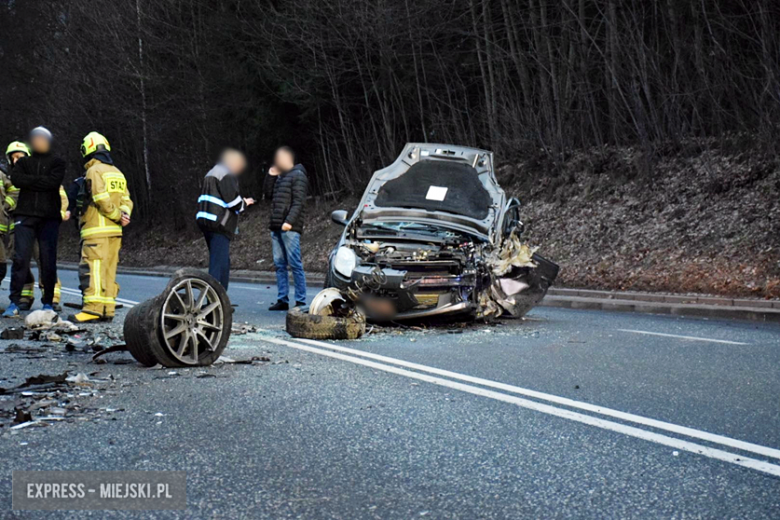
(713, 453)
(690, 338)
(74, 292)
(623, 416)
(237, 286)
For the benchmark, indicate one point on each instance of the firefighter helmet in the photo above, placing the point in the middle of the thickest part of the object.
(94, 142)
(16, 146)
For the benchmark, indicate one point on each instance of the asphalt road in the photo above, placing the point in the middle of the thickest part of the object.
(567, 414)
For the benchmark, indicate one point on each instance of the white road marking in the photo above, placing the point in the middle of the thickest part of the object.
(571, 403)
(690, 338)
(631, 431)
(237, 286)
(75, 292)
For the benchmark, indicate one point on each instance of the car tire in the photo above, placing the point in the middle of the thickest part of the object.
(145, 326)
(162, 348)
(137, 324)
(309, 326)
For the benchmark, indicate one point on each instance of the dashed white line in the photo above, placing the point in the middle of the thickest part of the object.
(631, 431)
(677, 336)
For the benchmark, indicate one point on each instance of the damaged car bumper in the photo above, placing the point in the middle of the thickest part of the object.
(391, 294)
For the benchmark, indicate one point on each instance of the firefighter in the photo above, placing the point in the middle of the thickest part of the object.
(9, 195)
(107, 208)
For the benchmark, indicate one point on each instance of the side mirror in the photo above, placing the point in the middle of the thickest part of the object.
(339, 217)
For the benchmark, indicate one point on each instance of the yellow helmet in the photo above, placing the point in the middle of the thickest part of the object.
(16, 146)
(94, 142)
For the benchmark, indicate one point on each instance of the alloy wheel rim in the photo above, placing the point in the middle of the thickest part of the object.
(192, 320)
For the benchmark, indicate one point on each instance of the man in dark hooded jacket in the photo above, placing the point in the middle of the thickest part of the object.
(286, 186)
(37, 217)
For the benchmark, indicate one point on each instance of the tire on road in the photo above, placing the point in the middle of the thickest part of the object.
(135, 330)
(310, 326)
(188, 324)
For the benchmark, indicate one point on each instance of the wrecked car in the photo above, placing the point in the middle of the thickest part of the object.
(436, 236)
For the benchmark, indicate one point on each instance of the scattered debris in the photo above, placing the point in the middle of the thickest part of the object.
(40, 319)
(42, 379)
(15, 348)
(240, 330)
(78, 378)
(22, 416)
(12, 333)
(115, 348)
(49, 398)
(224, 360)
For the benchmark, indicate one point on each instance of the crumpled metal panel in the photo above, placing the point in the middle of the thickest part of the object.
(519, 281)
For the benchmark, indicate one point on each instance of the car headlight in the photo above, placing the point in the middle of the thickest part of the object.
(345, 261)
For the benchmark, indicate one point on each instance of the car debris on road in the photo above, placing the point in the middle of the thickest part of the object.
(46, 398)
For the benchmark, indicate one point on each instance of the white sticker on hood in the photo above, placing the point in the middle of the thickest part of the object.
(436, 193)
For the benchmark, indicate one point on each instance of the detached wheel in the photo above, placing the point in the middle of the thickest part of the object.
(311, 326)
(137, 323)
(195, 320)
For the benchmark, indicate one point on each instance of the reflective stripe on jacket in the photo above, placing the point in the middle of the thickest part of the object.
(64, 202)
(109, 199)
(220, 202)
(8, 195)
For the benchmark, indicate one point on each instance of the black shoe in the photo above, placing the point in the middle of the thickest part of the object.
(300, 304)
(24, 306)
(279, 306)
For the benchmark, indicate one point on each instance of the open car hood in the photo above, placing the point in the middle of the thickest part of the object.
(452, 185)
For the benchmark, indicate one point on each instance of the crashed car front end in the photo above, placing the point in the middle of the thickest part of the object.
(434, 236)
(401, 280)
(407, 277)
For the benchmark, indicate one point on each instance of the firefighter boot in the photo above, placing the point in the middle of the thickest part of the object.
(84, 317)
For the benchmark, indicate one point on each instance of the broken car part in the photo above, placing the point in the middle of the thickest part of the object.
(313, 326)
(12, 333)
(189, 324)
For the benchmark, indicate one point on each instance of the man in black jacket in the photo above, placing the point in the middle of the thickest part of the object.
(286, 187)
(219, 205)
(37, 217)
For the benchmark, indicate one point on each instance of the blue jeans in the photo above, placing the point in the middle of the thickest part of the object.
(287, 252)
(219, 256)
